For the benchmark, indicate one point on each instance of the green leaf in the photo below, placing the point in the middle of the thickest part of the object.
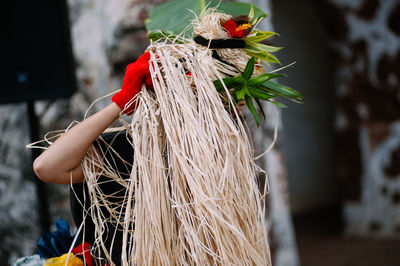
(264, 56)
(237, 88)
(281, 105)
(229, 82)
(218, 85)
(260, 107)
(241, 93)
(261, 46)
(251, 13)
(260, 36)
(282, 90)
(260, 94)
(255, 21)
(260, 79)
(268, 48)
(249, 69)
(174, 16)
(238, 79)
(281, 95)
(250, 105)
(272, 59)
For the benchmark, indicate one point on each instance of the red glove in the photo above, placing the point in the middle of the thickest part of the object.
(135, 74)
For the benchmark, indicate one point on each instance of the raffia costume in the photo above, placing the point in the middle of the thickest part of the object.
(192, 196)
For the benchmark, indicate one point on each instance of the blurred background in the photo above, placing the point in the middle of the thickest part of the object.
(334, 173)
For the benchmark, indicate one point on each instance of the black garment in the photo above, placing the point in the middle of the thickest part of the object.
(111, 189)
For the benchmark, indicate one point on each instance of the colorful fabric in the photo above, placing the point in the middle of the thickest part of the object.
(60, 261)
(56, 243)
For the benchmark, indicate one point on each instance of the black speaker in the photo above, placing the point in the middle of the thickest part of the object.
(36, 51)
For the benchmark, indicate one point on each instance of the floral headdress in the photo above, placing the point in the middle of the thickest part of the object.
(241, 32)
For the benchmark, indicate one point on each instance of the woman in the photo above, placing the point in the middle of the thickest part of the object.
(192, 196)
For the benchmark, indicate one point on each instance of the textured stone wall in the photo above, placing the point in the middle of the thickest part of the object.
(18, 220)
(366, 42)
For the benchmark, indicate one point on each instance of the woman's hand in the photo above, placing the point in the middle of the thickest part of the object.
(135, 74)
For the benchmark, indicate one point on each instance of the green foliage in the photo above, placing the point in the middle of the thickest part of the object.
(175, 16)
(248, 88)
(259, 50)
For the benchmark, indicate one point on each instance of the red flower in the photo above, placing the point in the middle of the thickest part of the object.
(231, 27)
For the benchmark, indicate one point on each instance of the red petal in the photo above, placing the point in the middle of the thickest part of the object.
(230, 26)
(239, 34)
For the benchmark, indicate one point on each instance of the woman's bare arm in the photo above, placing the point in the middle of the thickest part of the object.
(62, 160)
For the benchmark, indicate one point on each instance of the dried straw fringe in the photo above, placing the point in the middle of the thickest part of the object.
(192, 196)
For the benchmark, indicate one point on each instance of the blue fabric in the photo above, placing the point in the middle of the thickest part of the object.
(56, 243)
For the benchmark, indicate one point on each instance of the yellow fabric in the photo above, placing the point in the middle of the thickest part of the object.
(72, 261)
